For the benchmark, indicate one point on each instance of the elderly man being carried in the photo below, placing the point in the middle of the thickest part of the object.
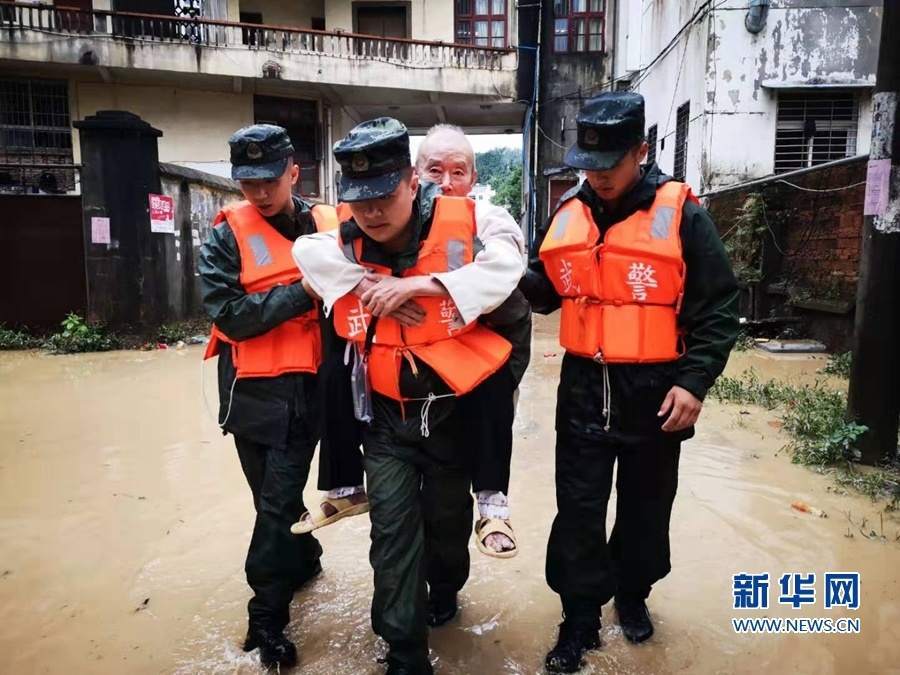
(446, 159)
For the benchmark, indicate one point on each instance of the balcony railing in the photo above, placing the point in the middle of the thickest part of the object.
(18, 17)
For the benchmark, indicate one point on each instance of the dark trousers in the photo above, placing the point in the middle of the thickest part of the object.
(277, 561)
(485, 431)
(582, 566)
(340, 461)
(421, 514)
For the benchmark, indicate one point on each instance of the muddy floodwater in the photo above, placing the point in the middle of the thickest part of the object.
(124, 520)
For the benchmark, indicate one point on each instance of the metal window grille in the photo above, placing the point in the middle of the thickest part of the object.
(651, 141)
(35, 136)
(814, 128)
(301, 119)
(578, 26)
(681, 140)
(481, 22)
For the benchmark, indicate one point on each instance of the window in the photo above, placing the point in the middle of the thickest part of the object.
(384, 20)
(481, 22)
(250, 36)
(301, 119)
(814, 128)
(682, 121)
(651, 141)
(35, 135)
(578, 26)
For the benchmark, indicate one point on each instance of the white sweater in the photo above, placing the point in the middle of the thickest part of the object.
(476, 288)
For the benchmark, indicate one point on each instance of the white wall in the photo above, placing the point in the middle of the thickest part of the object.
(676, 79)
(732, 76)
(196, 124)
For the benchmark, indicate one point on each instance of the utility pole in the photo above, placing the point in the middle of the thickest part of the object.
(875, 375)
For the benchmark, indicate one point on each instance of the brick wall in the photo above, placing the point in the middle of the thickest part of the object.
(812, 250)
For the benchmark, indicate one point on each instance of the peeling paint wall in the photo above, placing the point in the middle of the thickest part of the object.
(197, 199)
(732, 77)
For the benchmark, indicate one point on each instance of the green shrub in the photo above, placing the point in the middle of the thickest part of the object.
(813, 416)
(744, 342)
(16, 339)
(79, 336)
(838, 365)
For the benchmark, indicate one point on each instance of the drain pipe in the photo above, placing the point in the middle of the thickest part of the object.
(535, 131)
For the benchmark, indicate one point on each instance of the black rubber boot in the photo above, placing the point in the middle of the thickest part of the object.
(405, 669)
(574, 640)
(441, 608)
(274, 648)
(634, 619)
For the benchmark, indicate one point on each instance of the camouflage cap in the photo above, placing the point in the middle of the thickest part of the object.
(372, 158)
(259, 152)
(609, 125)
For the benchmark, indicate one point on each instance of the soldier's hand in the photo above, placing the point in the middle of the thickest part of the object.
(366, 283)
(410, 313)
(386, 296)
(685, 409)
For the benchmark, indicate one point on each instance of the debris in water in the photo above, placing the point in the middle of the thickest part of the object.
(180, 344)
(198, 340)
(482, 628)
(142, 606)
(793, 346)
(806, 508)
(549, 355)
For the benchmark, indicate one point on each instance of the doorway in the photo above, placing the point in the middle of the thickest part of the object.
(301, 119)
(389, 20)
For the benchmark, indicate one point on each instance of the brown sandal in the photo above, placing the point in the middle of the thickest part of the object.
(488, 526)
(329, 511)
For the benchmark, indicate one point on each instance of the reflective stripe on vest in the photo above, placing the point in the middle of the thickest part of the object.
(621, 297)
(293, 346)
(462, 355)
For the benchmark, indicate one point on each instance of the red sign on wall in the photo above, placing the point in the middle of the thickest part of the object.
(162, 214)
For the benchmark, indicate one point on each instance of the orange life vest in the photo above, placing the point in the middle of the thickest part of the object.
(462, 355)
(294, 346)
(621, 297)
(343, 212)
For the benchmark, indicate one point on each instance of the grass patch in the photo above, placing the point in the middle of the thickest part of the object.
(77, 335)
(744, 342)
(876, 483)
(838, 365)
(813, 415)
(16, 339)
(820, 435)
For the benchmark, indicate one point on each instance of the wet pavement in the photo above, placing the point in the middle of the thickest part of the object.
(124, 519)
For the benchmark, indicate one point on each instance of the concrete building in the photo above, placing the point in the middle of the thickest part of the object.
(199, 69)
(482, 193)
(735, 90)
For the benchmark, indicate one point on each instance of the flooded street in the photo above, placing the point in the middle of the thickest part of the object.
(124, 521)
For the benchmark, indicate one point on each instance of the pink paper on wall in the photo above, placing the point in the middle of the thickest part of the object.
(878, 180)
